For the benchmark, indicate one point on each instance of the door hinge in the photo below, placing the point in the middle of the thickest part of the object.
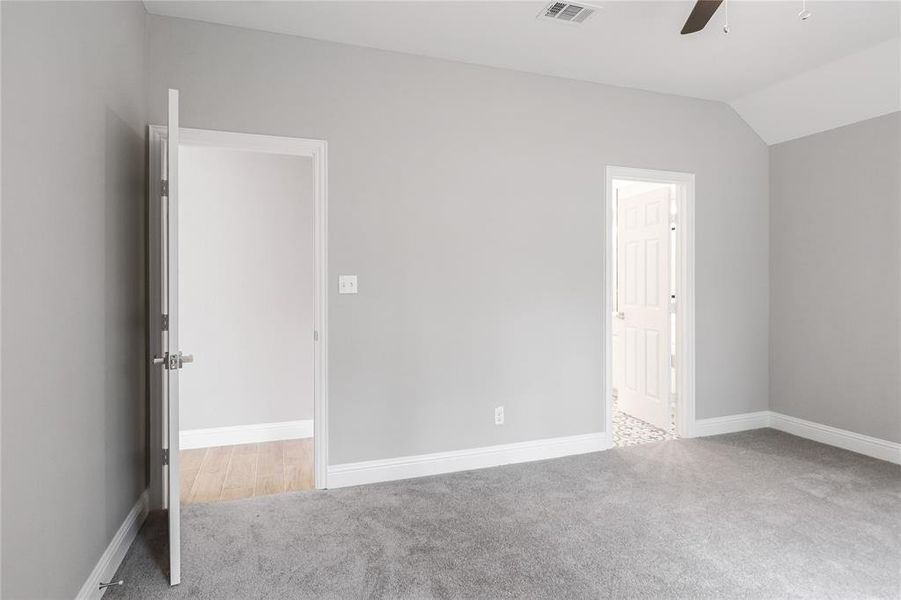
(165, 456)
(315, 336)
(672, 361)
(164, 188)
(165, 323)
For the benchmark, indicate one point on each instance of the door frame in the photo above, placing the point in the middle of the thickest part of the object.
(685, 296)
(315, 149)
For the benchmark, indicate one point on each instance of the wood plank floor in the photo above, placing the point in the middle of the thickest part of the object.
(231, 472)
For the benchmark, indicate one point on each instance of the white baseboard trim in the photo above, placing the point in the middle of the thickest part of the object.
(833, 436)
(407, 467)
(841, 438)
(245, 434)
(731, 423)
(112, 557)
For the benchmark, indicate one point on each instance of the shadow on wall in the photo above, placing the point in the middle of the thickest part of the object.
(124, 312)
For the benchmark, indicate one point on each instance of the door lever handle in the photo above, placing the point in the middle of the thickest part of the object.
(619, 315)
(173, 361)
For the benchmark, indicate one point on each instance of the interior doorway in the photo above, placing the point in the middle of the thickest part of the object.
(650, 302)
(252, 300)
(250, 325)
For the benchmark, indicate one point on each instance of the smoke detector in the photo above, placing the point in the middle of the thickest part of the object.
(566, 12)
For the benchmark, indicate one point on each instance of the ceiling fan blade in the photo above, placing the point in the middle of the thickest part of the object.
(700, 15)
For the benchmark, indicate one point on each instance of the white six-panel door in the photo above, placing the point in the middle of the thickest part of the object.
(643, 294)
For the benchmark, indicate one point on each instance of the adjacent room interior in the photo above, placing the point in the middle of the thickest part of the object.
(246, 301)
(325, 299)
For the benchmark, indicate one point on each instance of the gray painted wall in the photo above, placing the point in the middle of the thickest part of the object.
(73, 438)
(834, 288)
(469, 201)
(246, 308)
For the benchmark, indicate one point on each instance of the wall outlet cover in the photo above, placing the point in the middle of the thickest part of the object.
(499, 415)
(347, 284)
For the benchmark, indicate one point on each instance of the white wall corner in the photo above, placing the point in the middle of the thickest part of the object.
(115, 552)
(245, 434)
(408, 467)
(857, 87)
(746, 123)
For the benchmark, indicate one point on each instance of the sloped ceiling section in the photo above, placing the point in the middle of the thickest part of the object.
(784, 76)
(857, 87)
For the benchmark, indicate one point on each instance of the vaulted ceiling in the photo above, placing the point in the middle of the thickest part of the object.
(627, 43)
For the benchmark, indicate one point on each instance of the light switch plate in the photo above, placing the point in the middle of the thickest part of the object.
(347, 284)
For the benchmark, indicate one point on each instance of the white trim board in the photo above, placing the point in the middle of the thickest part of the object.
(245, 434)
(112, 557)
(840, 438)
(832, 436)
(407, 467)
(732, 423)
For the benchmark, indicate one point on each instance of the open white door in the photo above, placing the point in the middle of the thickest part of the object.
(172, 359)
(643, 291)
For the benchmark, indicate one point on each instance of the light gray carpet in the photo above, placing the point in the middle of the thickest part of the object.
(749, 515)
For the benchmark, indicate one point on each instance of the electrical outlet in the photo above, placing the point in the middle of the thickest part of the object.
(499, 415)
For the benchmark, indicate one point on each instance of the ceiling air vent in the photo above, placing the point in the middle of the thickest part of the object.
(566, 12)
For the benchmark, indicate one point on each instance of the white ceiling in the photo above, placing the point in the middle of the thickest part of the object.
(627, 43)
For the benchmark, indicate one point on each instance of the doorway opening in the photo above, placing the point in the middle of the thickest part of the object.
(251, 264)
(246, 314)
(649, 336)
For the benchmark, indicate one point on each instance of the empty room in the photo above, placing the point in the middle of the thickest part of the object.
(450, 299)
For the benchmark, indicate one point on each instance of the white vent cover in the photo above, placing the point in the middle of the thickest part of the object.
(566, 12)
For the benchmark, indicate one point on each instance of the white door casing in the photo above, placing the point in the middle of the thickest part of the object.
(617, 323)
(643, 298)
(684, 201)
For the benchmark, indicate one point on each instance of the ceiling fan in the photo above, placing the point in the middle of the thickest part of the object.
(700, 15)
(704, 9)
